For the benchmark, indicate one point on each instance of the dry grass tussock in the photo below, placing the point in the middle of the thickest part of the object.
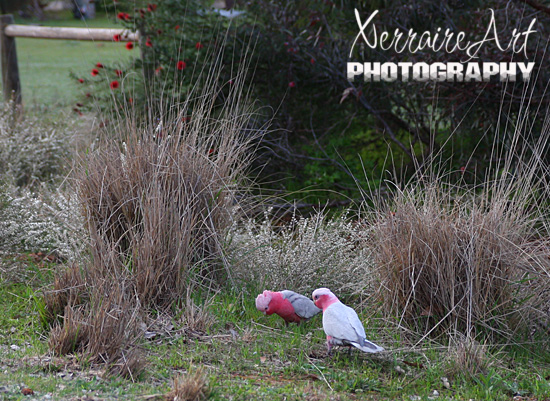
(157, 204)
(196, 319)
(467, 356)
(159, 207)
(308, 253)
(103, 327)
(192, 386)
(453, 258)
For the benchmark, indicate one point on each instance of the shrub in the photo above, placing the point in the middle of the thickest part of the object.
(308, 253)
(33, 151)
(48, 221)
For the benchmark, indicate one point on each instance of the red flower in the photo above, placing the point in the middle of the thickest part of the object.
(158, 70)
(129, 45)
(181, 65)
(99, 65)
(130, 100)
(199, 46)
(176, 27)
(117, 37)
(159, 31)
(94, 72)
(151, 7)
(88, 94)
(462, 169)
(114, 85)
(79, 105)
(123, 16)
(118, 73)
(80, 80)
(148, 42)
(312, 61)
(292, 84)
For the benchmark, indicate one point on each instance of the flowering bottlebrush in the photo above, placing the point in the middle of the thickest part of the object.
(172, 33)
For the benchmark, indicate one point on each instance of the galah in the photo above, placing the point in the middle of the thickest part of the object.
(289, 305)
(341, 323)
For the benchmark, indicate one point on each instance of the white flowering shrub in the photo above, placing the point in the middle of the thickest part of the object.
(48, 223)
(306, 254)
(35, 215)
(32, 150)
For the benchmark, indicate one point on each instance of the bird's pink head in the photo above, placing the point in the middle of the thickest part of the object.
(263, 300)
(323, 298)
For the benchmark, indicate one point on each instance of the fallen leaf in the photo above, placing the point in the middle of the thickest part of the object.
(27, 391)
(414, 364)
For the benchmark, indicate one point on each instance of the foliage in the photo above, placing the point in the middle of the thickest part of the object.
(32, 151)
(47, 222)
(177, 40)
(329, 133)
(36, 212)
(302, 255)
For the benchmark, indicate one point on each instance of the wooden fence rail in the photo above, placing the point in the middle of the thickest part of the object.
(9, 31)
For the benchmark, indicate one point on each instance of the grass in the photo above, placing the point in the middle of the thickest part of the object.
(246, 355)
(45, 65)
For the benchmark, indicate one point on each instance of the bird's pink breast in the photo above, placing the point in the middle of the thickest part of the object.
(283, 307)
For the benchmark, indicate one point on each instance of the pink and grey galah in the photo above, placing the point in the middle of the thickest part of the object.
(289, 305)
(341, 323)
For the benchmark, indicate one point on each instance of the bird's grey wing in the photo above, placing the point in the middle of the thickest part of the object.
(364, 344)
(354, 322)
(303, 306)
(336, 323)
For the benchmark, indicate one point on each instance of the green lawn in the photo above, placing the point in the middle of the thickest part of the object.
(45, 65)
(248, 356)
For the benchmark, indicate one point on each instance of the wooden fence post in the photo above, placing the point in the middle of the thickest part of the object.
(10, 72)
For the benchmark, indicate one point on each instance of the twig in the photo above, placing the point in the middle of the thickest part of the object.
(321, 373)
(537, 6)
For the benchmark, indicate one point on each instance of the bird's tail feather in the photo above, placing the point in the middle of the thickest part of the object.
(368, 347)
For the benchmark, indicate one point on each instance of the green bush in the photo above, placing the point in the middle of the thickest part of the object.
(326, 132)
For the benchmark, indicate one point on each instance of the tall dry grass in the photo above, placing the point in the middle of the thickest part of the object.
(455, 258)
(157, 200)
